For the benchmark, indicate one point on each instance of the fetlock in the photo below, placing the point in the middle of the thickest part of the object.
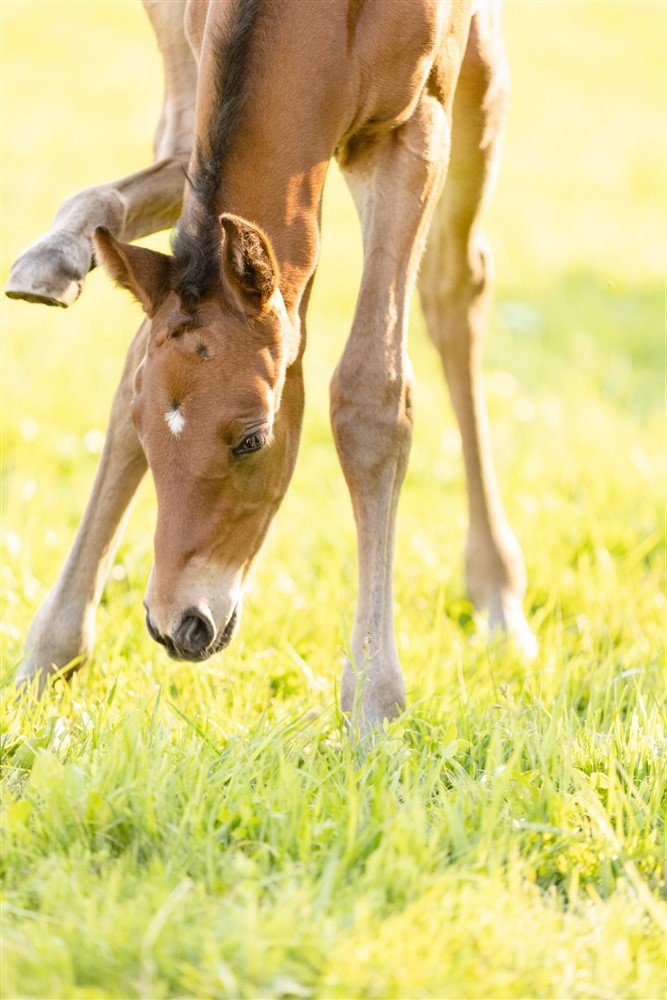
(58, 639)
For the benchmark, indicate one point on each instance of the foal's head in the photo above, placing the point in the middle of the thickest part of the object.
(218, 412)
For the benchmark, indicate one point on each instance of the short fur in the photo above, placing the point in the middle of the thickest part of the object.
(400, 91)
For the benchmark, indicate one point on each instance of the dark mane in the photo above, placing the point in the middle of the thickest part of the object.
(196, 248)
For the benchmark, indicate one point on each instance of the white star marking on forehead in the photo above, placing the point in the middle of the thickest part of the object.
(175, 420)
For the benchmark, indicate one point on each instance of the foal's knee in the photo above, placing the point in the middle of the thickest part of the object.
(371, 414)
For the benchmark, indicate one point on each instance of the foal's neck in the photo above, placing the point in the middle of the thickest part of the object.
(274, 168)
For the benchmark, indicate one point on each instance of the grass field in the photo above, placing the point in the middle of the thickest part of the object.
(174, 830)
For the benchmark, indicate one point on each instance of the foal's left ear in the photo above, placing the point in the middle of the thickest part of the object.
(248, 260)
(141, 271)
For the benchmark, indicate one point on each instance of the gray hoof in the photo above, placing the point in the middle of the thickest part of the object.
(51, 271)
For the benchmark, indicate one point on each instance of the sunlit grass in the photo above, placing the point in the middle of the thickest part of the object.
(180, 830)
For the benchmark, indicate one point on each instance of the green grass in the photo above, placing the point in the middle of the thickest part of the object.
(208, 831)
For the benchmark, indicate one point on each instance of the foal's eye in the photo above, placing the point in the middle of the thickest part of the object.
(252, 442)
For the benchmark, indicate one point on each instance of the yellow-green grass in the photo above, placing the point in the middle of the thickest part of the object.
(207, 831)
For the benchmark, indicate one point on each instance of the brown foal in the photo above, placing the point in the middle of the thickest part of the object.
(410, 97)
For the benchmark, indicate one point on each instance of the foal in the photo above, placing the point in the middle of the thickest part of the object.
(260, 96)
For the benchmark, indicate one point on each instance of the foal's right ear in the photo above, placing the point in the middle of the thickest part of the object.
(143, 272)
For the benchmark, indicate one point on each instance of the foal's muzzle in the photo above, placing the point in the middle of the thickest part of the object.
(195, 638)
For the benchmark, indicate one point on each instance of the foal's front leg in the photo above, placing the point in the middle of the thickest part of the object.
(395, 186)
(52, 270)
(63, 630)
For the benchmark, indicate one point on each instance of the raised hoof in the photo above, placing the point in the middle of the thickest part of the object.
(51, 271)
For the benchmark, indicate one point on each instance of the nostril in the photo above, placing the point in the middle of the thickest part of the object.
(195, 633)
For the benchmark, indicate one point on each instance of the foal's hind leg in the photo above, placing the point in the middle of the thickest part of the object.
(395, 185)
(52, 270)
(455, 290)
(63, 630)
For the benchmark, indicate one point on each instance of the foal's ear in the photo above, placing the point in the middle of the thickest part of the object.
(143, 272)
(248, 260)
